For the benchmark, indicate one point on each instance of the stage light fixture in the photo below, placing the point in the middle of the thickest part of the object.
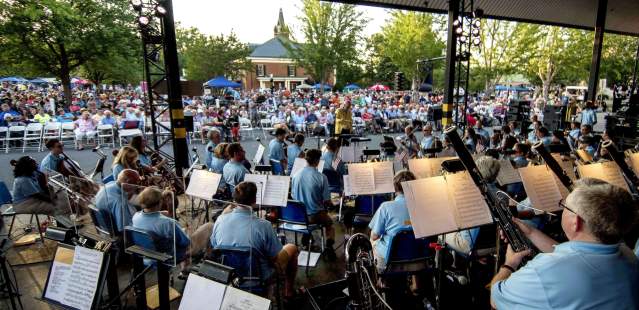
(160, 11)
(475, 32)
(476, 41)
(458, 30)
(456, 23)
(462, 39)
(137, 4)
(477, 23)
(143, 21)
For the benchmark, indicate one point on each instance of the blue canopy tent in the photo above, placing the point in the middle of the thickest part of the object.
(38, 81)
(221, 82)
(351, 87)
(511, 88)
(325, 86)
(14, 79)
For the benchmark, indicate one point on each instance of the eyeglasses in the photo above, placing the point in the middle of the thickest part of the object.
(562, 205)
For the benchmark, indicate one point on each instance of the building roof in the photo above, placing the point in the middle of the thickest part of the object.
(273, 48)
(622, 15)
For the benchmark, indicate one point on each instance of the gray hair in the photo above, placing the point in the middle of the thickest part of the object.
(488, 167)
(212, 133)
(608, 210)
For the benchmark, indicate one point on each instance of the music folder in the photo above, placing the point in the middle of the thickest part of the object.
(507, 173)
(300, 163)
(371, 178)
(634, 162)
(607, 171)
(203, 184)
(541, 187)
(427, 167)
(443, 204)
(203, 293)
(272, 190)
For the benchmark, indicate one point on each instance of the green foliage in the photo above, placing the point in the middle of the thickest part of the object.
(409, 37)
(617, 58)
(204, 57)
(378, 68)
(332, 32)
(58, 37)
(490, 63)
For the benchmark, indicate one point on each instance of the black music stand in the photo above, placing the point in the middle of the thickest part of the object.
(7, 286)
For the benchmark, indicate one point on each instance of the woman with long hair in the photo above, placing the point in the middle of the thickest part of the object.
(127, 158)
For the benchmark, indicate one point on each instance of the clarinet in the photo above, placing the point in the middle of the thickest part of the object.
(619, 158)
(361, 273)
(498, 206)
(553, 165)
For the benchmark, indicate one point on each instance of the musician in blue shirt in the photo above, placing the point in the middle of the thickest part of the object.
(219, 159)
(276, 148)
(295, 150)
(114, 198)
(214, 139)
(241, 229)
(330, 155)
(311, 188)
(234, 171)
(593, 270)
(51, 162)
(588, 115)
(390, 218)
(521, 152)
(574, 133)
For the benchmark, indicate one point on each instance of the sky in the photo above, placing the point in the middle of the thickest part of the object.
(253, 20)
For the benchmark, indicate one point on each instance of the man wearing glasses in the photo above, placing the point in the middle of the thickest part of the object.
(593, 270)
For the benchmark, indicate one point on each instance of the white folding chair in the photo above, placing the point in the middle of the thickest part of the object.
(128, 133)
(106, 132)
(51, 131)
(246, 126)
(266, 126)
(16, 133)
(32, 136)
(4, 133)
(67, 132)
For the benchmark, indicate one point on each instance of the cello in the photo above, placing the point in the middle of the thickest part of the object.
(68, 167)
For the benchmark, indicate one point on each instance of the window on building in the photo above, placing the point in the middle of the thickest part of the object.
(291, 70)
(261, 70)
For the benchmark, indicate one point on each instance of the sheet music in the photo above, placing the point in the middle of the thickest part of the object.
(634, 162)
(427, 167)
(429, 206)
(83, 280)
(362, 179)
(541, 187)
(203, 184)
(59, 278)
(347, 186)
(202, 293)
(351, 153)
(276, 190)
(300, 163)
(469, 204)
(507, 173)
(383, 172)
(259, 154)
(606, 171)
(260, 181)
(236, 299)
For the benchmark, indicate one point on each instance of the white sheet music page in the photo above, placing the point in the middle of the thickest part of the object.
(362, 178)
(469, 204)
(383, 172)
(259, 154)
(83, 280)
(201, 293)
(276, 190)
(429, 206)
(236, 299)
(347, 186)
(347, 153)
(507, 173)
(606, 171)
(260, 181)
(300, 163)
(427, 167)
(203, 184)
(59, 276)
(541, 187)
(634, 162)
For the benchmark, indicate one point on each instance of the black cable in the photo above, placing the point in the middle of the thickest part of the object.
(329, 304)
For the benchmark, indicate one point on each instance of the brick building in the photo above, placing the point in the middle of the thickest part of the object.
(271, 60)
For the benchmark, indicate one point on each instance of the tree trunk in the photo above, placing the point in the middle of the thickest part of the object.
(65, 75)
(545, 89)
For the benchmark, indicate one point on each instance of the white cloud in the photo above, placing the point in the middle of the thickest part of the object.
(252, 20)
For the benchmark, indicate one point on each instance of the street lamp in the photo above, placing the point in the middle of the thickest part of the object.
(272, 85)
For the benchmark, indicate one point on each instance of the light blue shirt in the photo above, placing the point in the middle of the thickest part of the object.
(217, 165)
(111, 199)
(163, 228)
(293, 151)
(276, 150)
(576, 275)
(588, 117)
(115, 171)
(520, 161)
(209, 154)
(311, 188)
(427, 142)
(108, 121)
(145, 160)
(328, 158)
(24, 187)
(233, 174)
(532, 137)
(240, 229)
(391, 217)
(50, 163)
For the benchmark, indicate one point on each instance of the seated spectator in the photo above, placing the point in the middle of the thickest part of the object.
(108, 119)
(85, 127)
(42, 117)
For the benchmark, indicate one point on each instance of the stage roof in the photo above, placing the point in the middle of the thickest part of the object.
(622, 16)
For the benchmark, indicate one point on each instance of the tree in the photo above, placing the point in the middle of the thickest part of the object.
(332, 32)
(491, 63)
(378, 68)
(409, 37)
(59, 37)
(123, 67)
(618, 58)
(550, 53)
(203, 56)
